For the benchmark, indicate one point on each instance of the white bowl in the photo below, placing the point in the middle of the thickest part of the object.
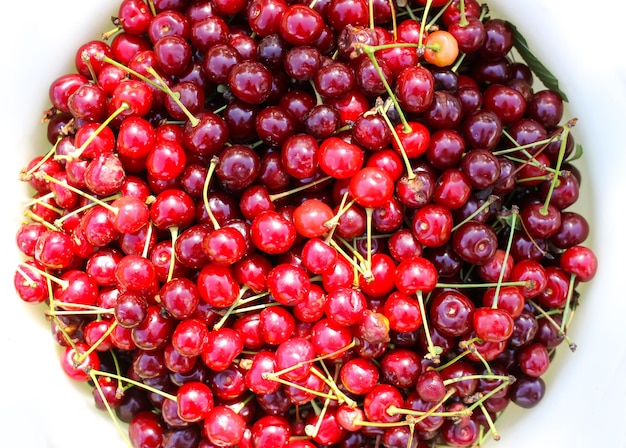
(586, 390)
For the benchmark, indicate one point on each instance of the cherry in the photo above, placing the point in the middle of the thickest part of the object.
(217, 285)
(223, 426)
(221, 347)
(416, 274)
(432, 225)
(146, 429)
(371, 187)
(76, 365)
(401, 368)
(403, 313)
(288, 284)
(276, 324)
(493, 324)
(339, 159)
(452, 312)
(272, 233)
(580, 261)
(527, 391)
(310, 218)
(377, 402)
(475, 242)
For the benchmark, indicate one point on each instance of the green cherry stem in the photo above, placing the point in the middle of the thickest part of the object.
(559, 162)
(567, 308)
(62, 283)
(82, 356)
(482, 285)
(546, 315)
(424, 17)
(507, 252)
(175, 97)
(112, 414)
(134, 383)
(235, 304)
(205, 191)
(405, 158)
(174, 235)
(78, 191)
(276, 196)
(369, 50)
(492, 427)
(485, 205)
(433, 350)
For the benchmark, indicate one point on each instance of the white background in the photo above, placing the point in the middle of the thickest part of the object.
(583, 44)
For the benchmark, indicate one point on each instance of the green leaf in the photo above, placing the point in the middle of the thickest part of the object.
(578, 153)
(540, 70)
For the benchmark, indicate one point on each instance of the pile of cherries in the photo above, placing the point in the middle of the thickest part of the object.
(341, 223)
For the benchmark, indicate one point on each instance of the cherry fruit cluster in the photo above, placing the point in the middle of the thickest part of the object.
(341, 223)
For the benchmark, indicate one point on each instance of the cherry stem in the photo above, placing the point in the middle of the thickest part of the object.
(65, 334)
(146, 246)
(318, 358)
(382, 424)
(311, 430)
(508, 380)
(394, 22)
(458, 357)
(41, 200)
(369, 50)
(343, 207)
(50, 153)
(405, 158)
(559, 162)
(566, 309)
(81, 357)
(544, 314)
(254, 307)
(485, 205)
(174, 235)
(36, 218)
(463, 21)
(62, 283)
(205, 191)
(276, 196)
(112, 414)
(424, 17)
(475, 377)
(332, 383)
(436, 17)
(348, 258)
(107, 34)
(243, 404)
(78, 191)
(77, 153)
(134, 383)
(369, 211)
(58, 222)
(235, 304)
(490, 423)
(507, 252)
(334, 221)
(544, 142)
(152, 7)
(298, 386)
(483, 285)
(175, 97)
(87, 60)
(433, 350)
